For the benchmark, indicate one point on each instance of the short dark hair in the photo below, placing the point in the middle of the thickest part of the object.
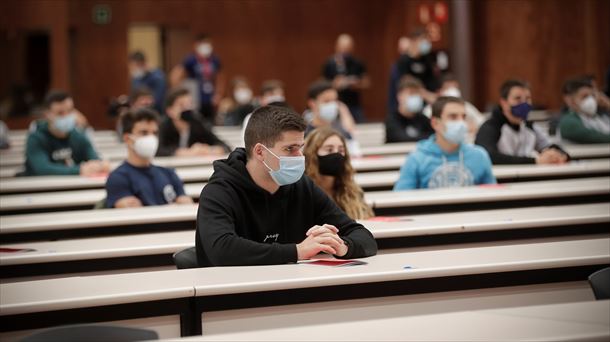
(175, 95)
(137, 56)
(130, 118)
(510, 84)
(54, 96)
(267, 124)
(139, 92)
(439, 104)
(448, 77)
(573, 85)
(271, 85)
(317, 88)
(201, 36)
(410, 82)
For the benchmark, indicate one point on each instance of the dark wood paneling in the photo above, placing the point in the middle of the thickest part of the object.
(543, 42)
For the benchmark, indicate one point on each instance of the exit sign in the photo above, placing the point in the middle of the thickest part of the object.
(102, 14)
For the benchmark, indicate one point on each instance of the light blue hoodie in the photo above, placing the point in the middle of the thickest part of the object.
(430, 167)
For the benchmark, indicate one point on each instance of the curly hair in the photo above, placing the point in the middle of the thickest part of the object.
(346, 193)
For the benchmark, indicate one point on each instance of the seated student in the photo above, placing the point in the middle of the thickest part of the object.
(141, 98)
(408, 123)
(451, 87)
(327, 163)
(232, 110)
(509, 138)
(143, 76)
(56, 147)
(137, 182)
(325, 110)
(182, 133)
(580, 121)
(258, 208)
(445, 159)
(272, 92)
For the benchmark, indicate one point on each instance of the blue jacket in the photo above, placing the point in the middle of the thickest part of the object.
(430, 167)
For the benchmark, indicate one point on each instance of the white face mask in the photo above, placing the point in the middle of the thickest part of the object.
(588, 105)
(146, 146)
(242, 95)
(290, 171)
(413, 103)
(452, 91)
(204, 49)
(137, 73)
(329, 111)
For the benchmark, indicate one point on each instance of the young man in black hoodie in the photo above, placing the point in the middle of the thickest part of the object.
(509, 138)
(259, 209)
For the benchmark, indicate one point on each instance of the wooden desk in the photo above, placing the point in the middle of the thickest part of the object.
(65, 256)
(489, 196)
(579, 321)
(37, 303)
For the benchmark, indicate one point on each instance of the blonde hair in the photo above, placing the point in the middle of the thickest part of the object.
(346, 193)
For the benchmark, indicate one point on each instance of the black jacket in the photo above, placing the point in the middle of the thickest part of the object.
(239, 223)
(169, 137)
(490, 134)
(399, 128)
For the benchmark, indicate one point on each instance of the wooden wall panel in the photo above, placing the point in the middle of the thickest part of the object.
(543, 42)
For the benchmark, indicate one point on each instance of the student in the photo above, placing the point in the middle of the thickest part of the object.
(182, 133)
(445, 159)
(137, 182)
(327, 163)
(143, 76)
(348, 75)
(325, 109)
(408, 123)
(404, 43)
(580, 121)
(232, 110)
(259, 209)
(141, 98)
(451, 87)
(272, 92)
(509, 138)
(202, 66)
(56, 147)
(418, 61)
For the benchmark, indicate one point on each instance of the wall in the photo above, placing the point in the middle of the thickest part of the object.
(543, 41)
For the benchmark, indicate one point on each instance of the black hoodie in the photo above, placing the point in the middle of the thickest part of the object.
(240, 223)
(490, 134)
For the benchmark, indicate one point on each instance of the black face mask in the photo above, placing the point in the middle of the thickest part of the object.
(187, 115)
(332, 164)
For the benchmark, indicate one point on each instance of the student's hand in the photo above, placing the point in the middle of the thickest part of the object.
(551, 156)
(320, 239)
(184, 200)
(92, 167)
(128, 202)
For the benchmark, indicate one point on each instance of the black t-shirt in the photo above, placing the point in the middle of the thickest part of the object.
(421, 67)
(169, 137)
(400, 129)
(351, 67)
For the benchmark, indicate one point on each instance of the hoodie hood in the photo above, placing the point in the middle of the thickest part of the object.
(233, 171)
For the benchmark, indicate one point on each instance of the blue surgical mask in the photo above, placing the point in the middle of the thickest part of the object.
(290, 171)
(455, 131)
(414, 103)
(424, 47)
(65, 123)
(521, 110)
(329, 111)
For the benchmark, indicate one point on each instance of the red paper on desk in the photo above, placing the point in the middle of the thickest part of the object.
(336, 262)
(15, 250)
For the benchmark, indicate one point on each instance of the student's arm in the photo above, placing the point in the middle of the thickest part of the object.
(488, 137)
(409, 177)
(206, 136)
(359, 240)
(488, 174)
(40, 162)
(216, 227)
(394, 132)
(572, 128)
(119, 193)
(181, 197)
(159, 89)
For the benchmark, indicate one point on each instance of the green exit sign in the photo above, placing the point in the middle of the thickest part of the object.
(102, 14)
